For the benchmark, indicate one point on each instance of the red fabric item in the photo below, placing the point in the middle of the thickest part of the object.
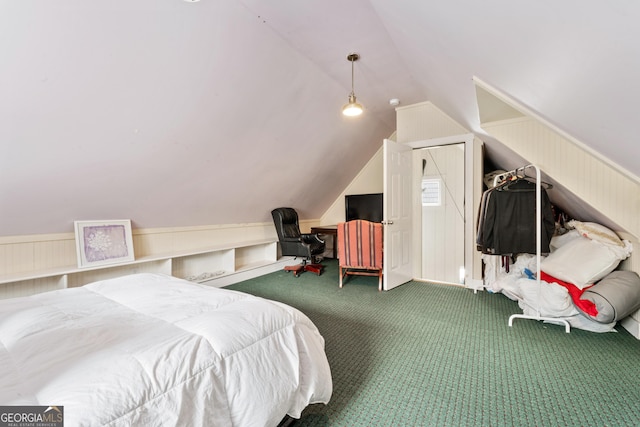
(575, 292)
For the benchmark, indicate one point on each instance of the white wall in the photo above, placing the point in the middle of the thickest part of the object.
(422, 121)
(369, 180)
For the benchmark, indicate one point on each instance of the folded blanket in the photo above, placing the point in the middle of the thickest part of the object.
(587, 307)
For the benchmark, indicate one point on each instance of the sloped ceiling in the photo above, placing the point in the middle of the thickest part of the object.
(174, 113)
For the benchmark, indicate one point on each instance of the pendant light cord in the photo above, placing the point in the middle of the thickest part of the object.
(352, 89)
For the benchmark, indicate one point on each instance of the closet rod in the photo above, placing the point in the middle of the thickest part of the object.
(498, 179)
(538, 248)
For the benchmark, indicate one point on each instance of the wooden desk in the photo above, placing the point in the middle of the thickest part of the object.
(331, 230)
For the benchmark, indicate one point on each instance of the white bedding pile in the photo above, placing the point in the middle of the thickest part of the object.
(154, 350)
(550, 300)
(580, 257)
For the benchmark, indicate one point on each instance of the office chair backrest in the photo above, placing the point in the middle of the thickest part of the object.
(286, 223)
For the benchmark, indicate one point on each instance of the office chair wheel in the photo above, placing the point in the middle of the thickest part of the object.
(296, 269)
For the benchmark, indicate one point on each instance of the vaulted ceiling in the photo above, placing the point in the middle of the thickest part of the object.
(175, 113)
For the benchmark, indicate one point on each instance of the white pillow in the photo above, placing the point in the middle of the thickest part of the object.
(596, 232)
(560, 240)
(583, 261)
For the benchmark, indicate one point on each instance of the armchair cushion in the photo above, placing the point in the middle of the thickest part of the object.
(360, 244)
(360, 249)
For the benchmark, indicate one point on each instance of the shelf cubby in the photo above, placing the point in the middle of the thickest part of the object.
(208, 263)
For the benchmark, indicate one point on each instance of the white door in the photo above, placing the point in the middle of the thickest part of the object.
(397, 209)
(442, 216)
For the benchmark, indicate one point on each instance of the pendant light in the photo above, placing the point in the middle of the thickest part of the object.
(352, 108)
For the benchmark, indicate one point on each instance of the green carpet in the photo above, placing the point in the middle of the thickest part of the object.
(436, 355)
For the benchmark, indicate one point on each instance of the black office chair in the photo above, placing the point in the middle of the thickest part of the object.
(293, 243)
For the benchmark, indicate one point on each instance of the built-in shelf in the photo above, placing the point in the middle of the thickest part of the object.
(208, 264)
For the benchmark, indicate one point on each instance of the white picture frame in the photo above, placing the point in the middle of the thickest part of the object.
(103, 242)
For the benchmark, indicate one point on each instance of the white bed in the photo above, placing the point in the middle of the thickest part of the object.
(155, 350)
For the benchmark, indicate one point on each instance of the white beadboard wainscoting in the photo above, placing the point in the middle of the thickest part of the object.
(220, 254)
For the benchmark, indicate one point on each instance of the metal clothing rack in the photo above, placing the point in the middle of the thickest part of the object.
(516, 173)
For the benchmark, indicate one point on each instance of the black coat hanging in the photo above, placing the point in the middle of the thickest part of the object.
(508, 225)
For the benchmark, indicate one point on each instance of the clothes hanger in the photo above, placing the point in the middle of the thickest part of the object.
(532, 179)
(512, 179)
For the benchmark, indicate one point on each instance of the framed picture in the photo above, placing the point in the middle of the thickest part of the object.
(103, 242)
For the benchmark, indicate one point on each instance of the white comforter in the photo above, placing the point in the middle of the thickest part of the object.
(153, 350)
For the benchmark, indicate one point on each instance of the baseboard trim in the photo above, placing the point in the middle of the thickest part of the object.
(631, 325)
(232, 278)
